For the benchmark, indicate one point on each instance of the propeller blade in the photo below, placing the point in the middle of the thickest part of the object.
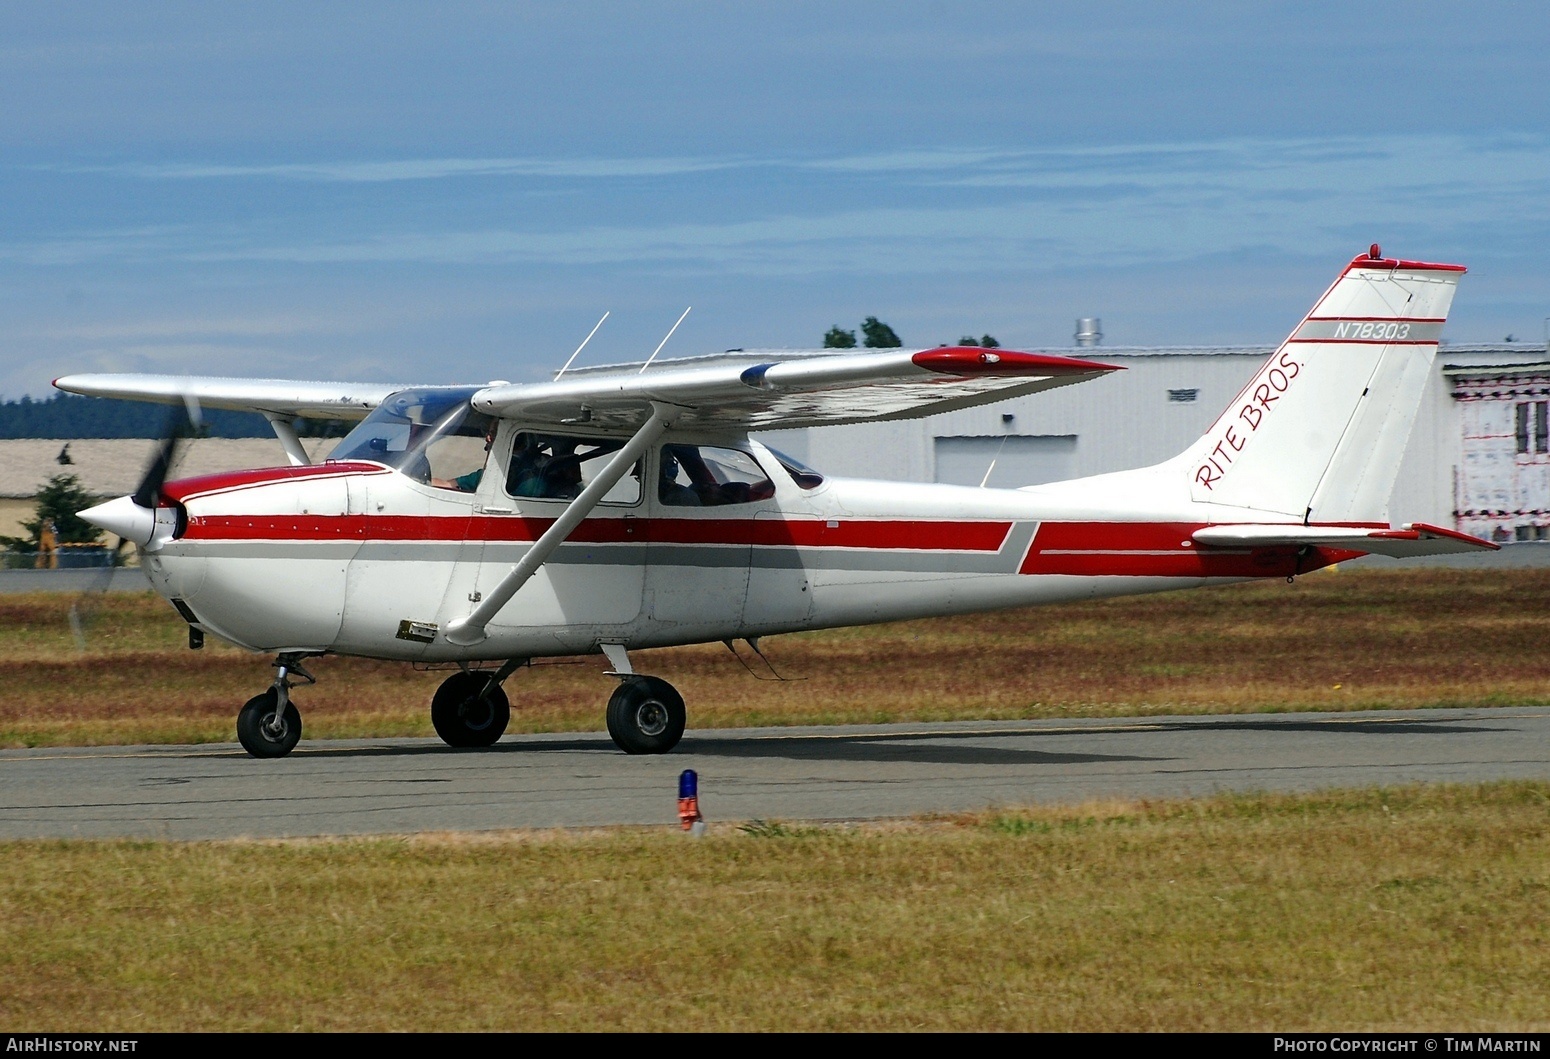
(183, 423)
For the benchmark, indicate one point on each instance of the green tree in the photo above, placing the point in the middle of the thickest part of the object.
(986, 341)
(58, 502)
(879, 335)
(835, 338)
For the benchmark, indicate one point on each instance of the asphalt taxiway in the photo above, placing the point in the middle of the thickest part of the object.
(351, 787)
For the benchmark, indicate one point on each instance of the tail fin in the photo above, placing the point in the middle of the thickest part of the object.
(1319, 432)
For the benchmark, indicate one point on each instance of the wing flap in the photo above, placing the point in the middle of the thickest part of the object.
(1399, 542)
(287, 397)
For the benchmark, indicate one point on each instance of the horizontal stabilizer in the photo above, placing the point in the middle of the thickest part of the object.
(1401, 542)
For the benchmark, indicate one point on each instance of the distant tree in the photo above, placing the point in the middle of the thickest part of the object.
(835, 338)
(322, 428)
(879, 335)
(67, 416)
(987, 341)
(58, 502)
(968, 340)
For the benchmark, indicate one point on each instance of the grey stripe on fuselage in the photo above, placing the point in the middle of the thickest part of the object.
(1006, 560)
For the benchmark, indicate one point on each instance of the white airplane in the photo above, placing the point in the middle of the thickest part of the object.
(614, 510)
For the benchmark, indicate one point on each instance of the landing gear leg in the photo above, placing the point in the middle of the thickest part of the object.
(471, 709)
(269, 725)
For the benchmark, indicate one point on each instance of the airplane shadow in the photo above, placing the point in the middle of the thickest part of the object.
(1373, 727)
(946, 748)
(937, 748)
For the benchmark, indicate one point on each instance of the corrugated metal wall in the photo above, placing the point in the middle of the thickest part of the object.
(1163, 401)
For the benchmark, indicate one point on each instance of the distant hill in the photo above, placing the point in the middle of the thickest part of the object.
(69, 416)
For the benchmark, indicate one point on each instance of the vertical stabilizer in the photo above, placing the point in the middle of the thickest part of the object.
(1319, 432)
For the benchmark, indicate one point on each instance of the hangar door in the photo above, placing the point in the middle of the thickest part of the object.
(1019, 459)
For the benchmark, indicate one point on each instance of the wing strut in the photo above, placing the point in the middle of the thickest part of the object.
(465, 632)
(288, 439)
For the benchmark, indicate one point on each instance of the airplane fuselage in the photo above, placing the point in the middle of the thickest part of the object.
(357, 558)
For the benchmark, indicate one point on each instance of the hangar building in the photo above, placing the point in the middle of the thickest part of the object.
(1478, 457)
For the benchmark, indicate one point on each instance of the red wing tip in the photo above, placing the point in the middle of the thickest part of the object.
(1416, 530)
(978, 360)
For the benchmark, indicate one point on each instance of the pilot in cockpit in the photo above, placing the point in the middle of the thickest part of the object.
(469, 482)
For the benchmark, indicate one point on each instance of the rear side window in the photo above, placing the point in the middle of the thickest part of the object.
(558, 467)
(710, 476)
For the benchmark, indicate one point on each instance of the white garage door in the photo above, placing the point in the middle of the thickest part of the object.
(1019, 459)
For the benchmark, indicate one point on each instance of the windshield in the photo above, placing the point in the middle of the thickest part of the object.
(409, 430)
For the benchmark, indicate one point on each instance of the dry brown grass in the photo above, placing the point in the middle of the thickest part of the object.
(1356, 639)
(1410, 909)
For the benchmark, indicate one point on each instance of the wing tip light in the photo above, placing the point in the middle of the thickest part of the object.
(976, 360)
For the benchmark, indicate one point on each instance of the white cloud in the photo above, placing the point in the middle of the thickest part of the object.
(927, 210)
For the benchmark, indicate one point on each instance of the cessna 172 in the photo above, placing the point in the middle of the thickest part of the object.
(616, 509)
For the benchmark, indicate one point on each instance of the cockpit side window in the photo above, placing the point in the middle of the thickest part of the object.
(559, 467)
(710, 476)
(433, 436)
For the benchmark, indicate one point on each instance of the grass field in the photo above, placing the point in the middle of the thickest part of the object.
(1354, 639)
(1404, 909)
(1407, 909)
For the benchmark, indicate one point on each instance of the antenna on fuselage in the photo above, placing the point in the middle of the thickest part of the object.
(662, 343)
(583, 345)
(989, 470)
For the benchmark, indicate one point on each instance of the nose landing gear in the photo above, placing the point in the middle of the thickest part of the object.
(269, 725)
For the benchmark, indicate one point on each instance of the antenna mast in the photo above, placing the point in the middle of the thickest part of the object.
(579, 348)
(662, 343)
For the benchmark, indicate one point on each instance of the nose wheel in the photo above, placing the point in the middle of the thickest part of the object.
(646, 715)
(269, 725)
(266, 730)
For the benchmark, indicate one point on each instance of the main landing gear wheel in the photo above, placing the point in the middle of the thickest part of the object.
(466, 718)
(262, 733)
(646, 716)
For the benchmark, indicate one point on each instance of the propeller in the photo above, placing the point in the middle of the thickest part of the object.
(182, 423)
(132, 518)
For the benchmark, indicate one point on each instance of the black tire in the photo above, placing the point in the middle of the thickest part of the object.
(253, 731)
(464, 719)
(646, 716)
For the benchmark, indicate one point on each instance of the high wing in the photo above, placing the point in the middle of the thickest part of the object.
(752, 390)
(286, 397)
(738, 390)
(1413, 539)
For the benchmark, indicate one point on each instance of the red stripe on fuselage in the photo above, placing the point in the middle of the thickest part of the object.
(228, 481)
(807, 533)
(1160, 549)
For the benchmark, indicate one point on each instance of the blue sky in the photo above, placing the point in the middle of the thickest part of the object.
(451, 192)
